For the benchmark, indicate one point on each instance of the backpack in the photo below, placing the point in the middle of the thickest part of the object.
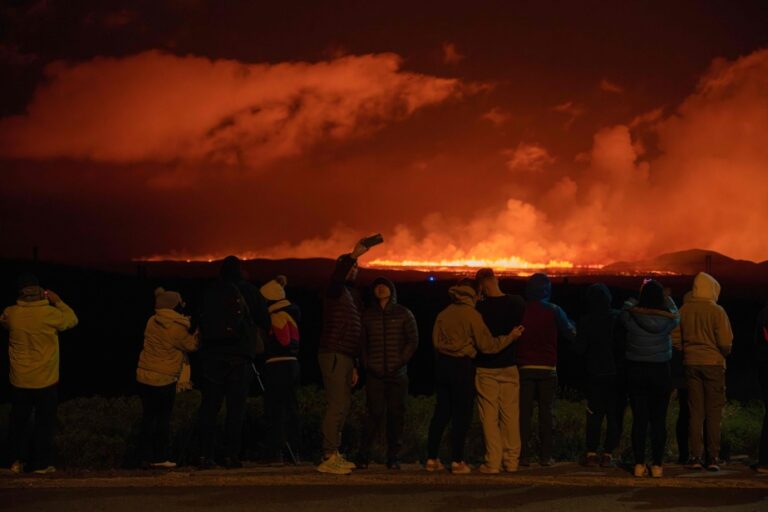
(226, 318)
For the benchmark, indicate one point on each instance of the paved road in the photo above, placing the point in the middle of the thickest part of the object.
(566, 487)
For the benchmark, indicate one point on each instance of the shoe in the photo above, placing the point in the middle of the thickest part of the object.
(17, 467)
(333, 466)
(488, 470)
(641, 470)
(232, 463)
(713, 465)
(591, 460)
(511, 468)
(433, 465)
(460, 468)
(657, 471)
(606, 461)
(393, 464)
(164, 465)
(204, 463)
(45, 471)
(525, 462)
(762, 469)
(694, 463)
(547, 462)
(344, 462)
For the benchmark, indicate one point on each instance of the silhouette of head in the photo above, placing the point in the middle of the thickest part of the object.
(652, 295)
(26, 280)
(231, 269)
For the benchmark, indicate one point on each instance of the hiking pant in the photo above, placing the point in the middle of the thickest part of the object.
(43, 403)
(281, 378)
(230, 380)
(385, 407)
(706, 399)
(498, 404)
(763, 376)
(539, 385)
(649, 389)
(155, 433)
(337, 381)
(455, 390)
(601, 403)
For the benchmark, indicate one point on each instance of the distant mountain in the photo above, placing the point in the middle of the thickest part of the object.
(692, 262)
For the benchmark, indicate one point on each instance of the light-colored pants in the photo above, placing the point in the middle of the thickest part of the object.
(706, 399)
(498, 401)
(337, 381)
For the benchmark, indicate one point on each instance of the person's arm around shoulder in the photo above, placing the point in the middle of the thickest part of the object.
(411, 335)
(486, 342)
(186, 341)
(564, 324)
(65, 317)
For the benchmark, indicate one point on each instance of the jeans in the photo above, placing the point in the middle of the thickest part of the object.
(601, 403)
(649, 390)
(337, 381)
(539, 385)
(44, 403)
(157, 407)
(385, 407)
(706, 399)
(281, 378)
(224, 379)
(455, 389)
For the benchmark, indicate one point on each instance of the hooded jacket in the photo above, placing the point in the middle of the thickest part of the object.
(649, 332)
(342, 313)
(390, 335)
(33, 344)
(600, 335)
(705, 330)
(761, 337)
(166, 341)
(459, 329)
(543, 321)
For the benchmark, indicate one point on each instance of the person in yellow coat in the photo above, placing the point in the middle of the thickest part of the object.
(34, 324)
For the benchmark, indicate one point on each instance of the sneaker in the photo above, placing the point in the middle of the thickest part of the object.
(460, 468)
(45, 471)
(606, 461)
(547, 462)
(17, 467)
(713, 465)
(333, 466)
(762, 469)
(434, 465)
(641, 470)
(204, 463)
(393, 464)
(591, 460)
(657, 471)
(344, 462)
(164, 465)
(488, 470)
(694, 463)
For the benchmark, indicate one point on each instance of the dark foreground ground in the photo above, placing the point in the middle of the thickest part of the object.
(566, 487)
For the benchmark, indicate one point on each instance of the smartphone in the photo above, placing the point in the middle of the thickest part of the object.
(372, 240)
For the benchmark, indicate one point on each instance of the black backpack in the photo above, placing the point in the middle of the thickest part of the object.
(226, 319)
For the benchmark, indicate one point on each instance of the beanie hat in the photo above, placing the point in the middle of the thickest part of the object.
(273, 290)
(166, 299)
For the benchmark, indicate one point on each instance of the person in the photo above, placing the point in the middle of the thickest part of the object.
(34, 324)
(458, 334)
(537, 360)
(390, 338)
(601, 338)
(649, 323)
(168, 337)
(339, 348)
(282, 372)
(680, 387)
(706, 337)
(497, 378)
(761, 356)
(232, 317)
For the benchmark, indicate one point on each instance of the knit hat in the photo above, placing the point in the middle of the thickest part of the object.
(167, 299)
(273, 290)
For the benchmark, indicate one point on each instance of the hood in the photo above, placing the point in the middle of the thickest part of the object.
(705, 287)
(652, 320)
(32, 293)
(538, 287)
(389, 284)
(598, 298)
(463, 294)
(167, 317)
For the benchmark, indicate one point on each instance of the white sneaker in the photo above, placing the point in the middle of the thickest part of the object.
(641, 470)
(164, 465)
(333, 465)
(657, 471)
(45, 471)
(434, 465)
(343, 462)
(460, 468)
(17, 467)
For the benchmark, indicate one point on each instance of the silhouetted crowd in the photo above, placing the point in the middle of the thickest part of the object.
(491, 348)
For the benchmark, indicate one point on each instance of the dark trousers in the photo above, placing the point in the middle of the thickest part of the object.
(537, 385)
(230, 380)
(455, 389)
(155, 434)
(763, 375)
(681, 427)
(385, 407)
(281, 378)
(601, 404)
(43, 403)
(649, 389)
(622, 402)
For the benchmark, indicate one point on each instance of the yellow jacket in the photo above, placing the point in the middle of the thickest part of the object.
(705, 331)
(33, 344)
(166, 341)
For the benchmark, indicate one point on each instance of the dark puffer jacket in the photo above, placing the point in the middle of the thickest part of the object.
(342, 322)
(390, 335)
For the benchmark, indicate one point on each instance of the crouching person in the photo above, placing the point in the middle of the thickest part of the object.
(33, 348)
(167, 340)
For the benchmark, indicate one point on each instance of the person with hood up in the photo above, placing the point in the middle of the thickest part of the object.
(458, 335)
(601, 338)
(649, 323)
(761, 356)
(34, 324)
(537, 360)
(390, 338)
(168, 337)
(281, 370)
(706, 338)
